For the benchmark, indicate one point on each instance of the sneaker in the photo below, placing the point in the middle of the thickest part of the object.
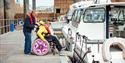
(26, 53)
(32, 53)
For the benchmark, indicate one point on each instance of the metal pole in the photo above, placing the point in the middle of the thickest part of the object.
(4, 9)
(34, 4)
(26, 6)
(5, 14)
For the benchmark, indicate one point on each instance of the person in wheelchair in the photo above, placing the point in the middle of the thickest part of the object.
(44, 34)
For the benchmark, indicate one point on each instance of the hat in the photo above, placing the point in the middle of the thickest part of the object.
(41, 22)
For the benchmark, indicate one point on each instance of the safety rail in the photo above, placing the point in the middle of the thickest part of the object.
(5, 24)
(82, 39)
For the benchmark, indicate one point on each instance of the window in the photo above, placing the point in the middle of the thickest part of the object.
(78, 16)
(74, 15)
(57, 10)
(94, 15)
(117, 14)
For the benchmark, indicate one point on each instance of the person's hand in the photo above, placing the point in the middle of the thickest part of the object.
(35, 26)
(49, 34)
(44, 40)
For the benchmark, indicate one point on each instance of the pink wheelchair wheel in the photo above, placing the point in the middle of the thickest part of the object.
(39, 47)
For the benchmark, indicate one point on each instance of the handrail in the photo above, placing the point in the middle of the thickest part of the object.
(6, 23)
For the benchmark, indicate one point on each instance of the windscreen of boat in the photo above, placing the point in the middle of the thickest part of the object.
(95, 15)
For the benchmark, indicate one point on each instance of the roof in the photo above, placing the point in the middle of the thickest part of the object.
(81, 4)
(112, 3)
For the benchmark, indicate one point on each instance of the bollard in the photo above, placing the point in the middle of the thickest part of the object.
(12, 26)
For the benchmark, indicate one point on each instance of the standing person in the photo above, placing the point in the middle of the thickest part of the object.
(28, 26)
(33, 16)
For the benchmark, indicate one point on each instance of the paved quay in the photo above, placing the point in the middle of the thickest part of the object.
(11, 50)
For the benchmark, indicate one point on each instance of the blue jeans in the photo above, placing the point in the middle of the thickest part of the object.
(27, 46)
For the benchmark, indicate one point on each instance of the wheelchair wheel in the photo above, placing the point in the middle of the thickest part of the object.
(39, 47)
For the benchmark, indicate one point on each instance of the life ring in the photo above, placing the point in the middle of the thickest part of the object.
(106, 47)
(39, 47)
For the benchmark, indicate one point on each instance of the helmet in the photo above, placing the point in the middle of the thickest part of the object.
(41, 22)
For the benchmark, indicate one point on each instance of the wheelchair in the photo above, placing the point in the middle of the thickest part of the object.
(40, 47)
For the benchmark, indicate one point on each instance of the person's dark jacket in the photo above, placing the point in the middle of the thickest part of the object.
(28, 27)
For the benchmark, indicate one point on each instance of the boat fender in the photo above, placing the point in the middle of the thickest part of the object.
(106, 47)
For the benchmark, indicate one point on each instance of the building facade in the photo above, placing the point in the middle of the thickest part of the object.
(45, 16)
(61, 6)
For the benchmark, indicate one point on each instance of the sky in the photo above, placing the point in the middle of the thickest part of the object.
(44, 3)
(48, 2)
(38, 2)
